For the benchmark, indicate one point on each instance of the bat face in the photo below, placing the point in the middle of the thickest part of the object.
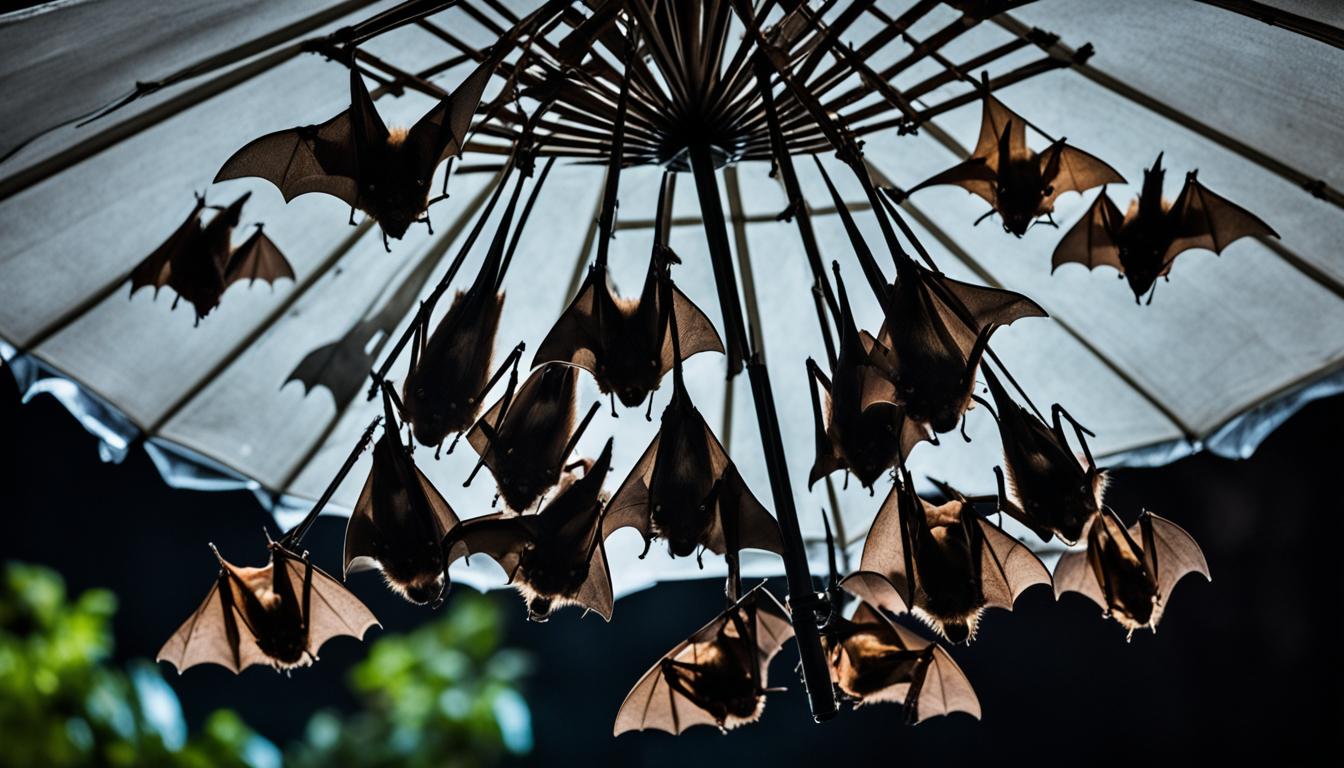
(395, 185)
(683, 489)
(441, 393)
(527, 450)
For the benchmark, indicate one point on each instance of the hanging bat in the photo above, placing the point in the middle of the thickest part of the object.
(1053, 491)
(946, 564)
(1143, 243)
(875, 660)
(864, 440)
(715, 677)
(936, 328)
(623, 342)
(685, 486)
(1020, 184)
(400, 521)
(449, 372)
(279, 615)
(525, 438)
(554, 557)
(354, 156)
(199, 263)
(1130, 573)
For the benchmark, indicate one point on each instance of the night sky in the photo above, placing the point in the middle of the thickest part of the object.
(1246, 663)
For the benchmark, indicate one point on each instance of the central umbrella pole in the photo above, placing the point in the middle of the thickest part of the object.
(803, 599)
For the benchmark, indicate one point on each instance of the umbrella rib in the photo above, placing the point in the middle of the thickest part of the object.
(1051, 45)
(1275, 17)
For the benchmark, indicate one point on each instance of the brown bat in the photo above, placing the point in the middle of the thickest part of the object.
(199, 263)
(354, 156)
(280, 615)
(864, 440)
(715, 677)
(1130, 573)
(1143, 243)
(1020, 184)
(554, 557)
(946, 564)
(400, 521)
(875, 660)
(525, 438)
(937, 328)
(685, 486)
(1053, 491)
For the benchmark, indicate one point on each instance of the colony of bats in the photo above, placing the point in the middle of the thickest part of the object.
(910, 376)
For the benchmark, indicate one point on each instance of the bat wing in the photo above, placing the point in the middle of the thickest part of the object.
(1074, 573)
(974, 175)
(695, 331)
(595, 594)
(477, 438)
(156, 269)
(756, 527)
(501, 537)
(991, 307)
(333, 611)
(212, 636)
(994, 117)
(876, 589)
(1007, 567)
(1090, 241)
(442, 131)
(1171, 554)
(447, 518)
(1069, 169)
(312, 158)
(360, 534)
(654, 705)
(1207, 220)
(827, 458)
(629, 506)
(257, 258)
(773, 628)
(884, 557)
(945, 689)
(574, 336)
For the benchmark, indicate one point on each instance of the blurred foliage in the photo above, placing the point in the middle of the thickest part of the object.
(443, 695)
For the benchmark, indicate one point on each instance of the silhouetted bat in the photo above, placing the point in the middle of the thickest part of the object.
(946, 564)
(279, 615)
(875, 660)
(936, 329)
(1130, 573)
(716, 677)
(199, 264)
(400, 520)
(1021, 185)
(450, 368)
(1053, 491)
(354, 156)
(525, 438)
(866, 440)
(623, 342)
(1143, 243)
(684, 485)
(554, 557)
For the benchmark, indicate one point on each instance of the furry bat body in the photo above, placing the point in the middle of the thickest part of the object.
(1020, 184)
(1053, 491)
(717, 676)
(198, 262)
(279, 615)
(946, 564)
(553, 558)
(525, 438)
(400, 521)
(1142, 243)
(1130, 573)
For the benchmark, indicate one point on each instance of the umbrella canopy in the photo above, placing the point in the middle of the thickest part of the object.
(268, 392)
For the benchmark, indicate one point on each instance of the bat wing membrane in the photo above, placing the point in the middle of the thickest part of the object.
(257, 258)
(1175, 554)
(332, 610)
(1074, 573)
(314, 158)
(629, 506)
(1091, 241)
(1207, 220)
(1075, 171)
(156, 269)
(1007, 567)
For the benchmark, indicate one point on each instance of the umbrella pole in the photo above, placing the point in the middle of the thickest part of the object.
(803, 598)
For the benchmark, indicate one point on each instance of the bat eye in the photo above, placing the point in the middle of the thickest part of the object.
(419, 391)
(1049, 189)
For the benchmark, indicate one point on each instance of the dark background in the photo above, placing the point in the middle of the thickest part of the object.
(1247, 663)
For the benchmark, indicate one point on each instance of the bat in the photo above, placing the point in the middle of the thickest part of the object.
(279, 615)
(449, 372)
(525, 438)
(554, 557)
(1053, 491)
(936, 328)
(1020, 184)
(1130, 573)
(623, 342)
(715, 677)
(863, 440)
(684, 486)
(400, 521)
(1143, 243)
(199, 263)
(384, 172)
(875, 660)
(945, 564)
